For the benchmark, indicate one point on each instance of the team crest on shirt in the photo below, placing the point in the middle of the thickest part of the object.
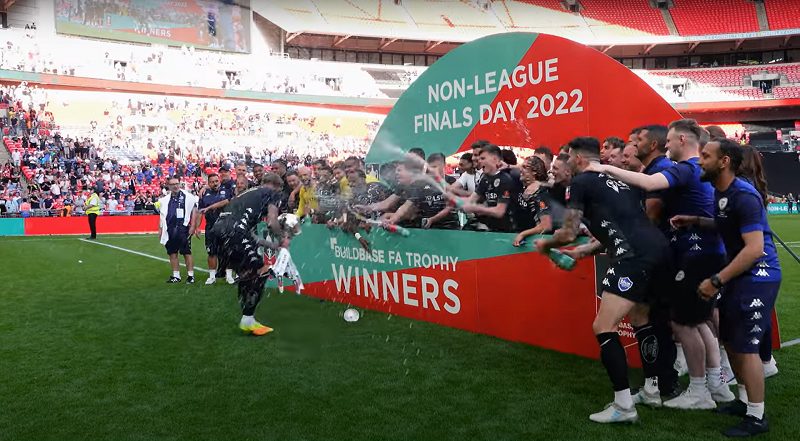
(680, 276)
(723, 202)
(624, 284)
(497, 182)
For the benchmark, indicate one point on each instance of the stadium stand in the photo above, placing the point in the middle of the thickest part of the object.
(785, 92)
(637, 14)
(782, 14)
(691, 17)
(731, 76)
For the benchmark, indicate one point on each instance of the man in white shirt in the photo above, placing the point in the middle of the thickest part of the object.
(466, 183)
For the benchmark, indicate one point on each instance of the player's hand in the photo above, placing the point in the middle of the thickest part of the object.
(682, 221)
(596, 167)
(196, 233)
(191, 232)
(542, 246)
(203, 210)
(706, 290)
(518, 239)
(426, 223)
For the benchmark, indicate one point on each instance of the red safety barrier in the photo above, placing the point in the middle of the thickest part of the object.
(37, 226)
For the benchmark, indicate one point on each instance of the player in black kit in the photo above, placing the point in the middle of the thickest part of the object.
(237, 245)
(639, 257)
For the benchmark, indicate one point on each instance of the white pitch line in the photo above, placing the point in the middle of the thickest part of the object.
(786, 344)
(138, 253)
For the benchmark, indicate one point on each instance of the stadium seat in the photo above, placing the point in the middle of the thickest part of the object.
(782, 14)
(637, 14)
(691, 17)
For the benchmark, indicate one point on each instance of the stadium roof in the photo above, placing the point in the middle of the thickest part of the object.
(458, 22)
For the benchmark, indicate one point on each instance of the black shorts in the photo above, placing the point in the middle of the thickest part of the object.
(639, 280)
(238, 251)
(179, 243)
(745, 313)
(209, 239)
(686, 306)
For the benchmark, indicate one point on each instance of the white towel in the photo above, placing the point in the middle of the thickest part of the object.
(284, 265)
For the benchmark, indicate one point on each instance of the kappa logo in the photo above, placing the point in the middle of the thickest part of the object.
(611, 232)
(621, 251)
(723, 202)
(756, 303)
(694, 237)
(680, 276)
(610, 271)
(617, 241)
(616, 185)
(606, 282)
(249, 210)
(624, 284)
(756, 316)
(674, 239)
(755, 329)
(755, 341)
(605, 224)
(762, 273)
(696, 247)
(763, 265)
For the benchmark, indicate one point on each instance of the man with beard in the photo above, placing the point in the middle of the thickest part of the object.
(639, 258)
(697, 254)
(750, 281)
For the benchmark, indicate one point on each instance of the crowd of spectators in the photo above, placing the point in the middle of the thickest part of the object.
(126, 159)
(184, 66)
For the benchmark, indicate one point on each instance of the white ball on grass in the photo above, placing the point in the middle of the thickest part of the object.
(351, 315)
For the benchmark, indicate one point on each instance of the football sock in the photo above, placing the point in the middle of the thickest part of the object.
(612, 354)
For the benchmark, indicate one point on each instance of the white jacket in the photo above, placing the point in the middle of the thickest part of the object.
(163, 207)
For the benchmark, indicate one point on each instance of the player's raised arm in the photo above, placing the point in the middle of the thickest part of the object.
(647, 182)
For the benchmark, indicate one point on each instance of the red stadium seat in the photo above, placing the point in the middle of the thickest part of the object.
(782, 14)
(692, 17)
(637, 14)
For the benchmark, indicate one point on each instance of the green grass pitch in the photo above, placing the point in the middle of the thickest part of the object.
(104, 349)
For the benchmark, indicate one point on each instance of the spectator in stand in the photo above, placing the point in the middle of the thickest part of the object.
(294, 185)
(306, 196)
(25, 208)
